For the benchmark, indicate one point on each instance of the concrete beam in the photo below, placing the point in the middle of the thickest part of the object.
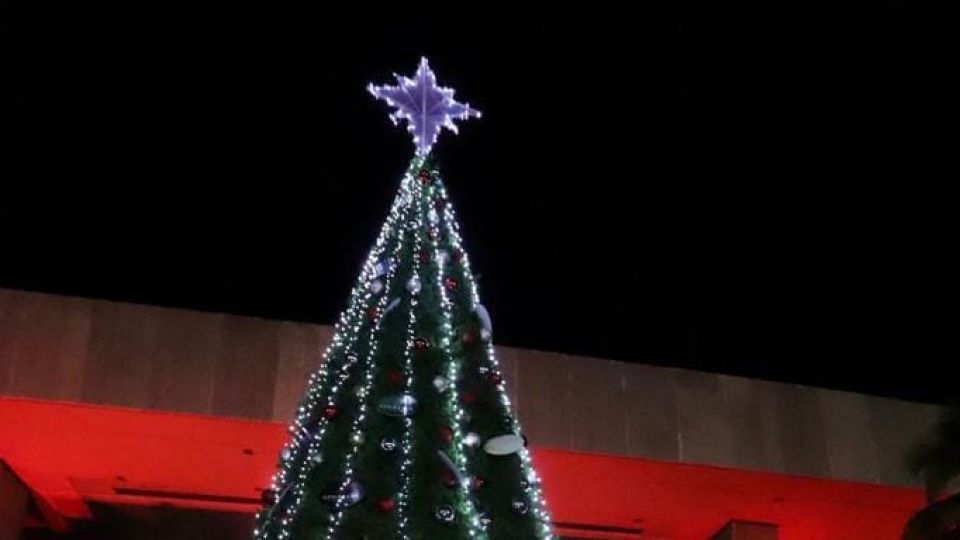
(745, 530)
(13, 504)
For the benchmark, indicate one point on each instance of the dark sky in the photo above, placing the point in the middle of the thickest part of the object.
(737, 189)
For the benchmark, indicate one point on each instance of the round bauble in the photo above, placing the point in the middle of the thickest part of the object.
(519, 505)
(388, 445)
(448, 479)
(413, 286)
(445, 514)
(330, 412)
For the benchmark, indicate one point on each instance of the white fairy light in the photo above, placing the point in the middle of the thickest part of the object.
(356, 429)
(476, 528)
(539, 507)
(345, 334)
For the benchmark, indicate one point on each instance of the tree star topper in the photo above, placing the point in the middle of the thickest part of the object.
(425, 106)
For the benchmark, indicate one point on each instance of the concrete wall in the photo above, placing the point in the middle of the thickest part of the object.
(95, 351)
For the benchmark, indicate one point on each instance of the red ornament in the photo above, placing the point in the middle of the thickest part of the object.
(451, 283)
(372, 313)
(477, 482)
(448, 478)
(440, 204)
(395, 376)
(424, 176)
(330, 412)
(496, 377)
(386, 505)
(421, 344)
(424, 256)
(468, 397)
(469, 337)
(446, 434)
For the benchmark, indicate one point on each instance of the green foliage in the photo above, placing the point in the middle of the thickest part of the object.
(377, 470)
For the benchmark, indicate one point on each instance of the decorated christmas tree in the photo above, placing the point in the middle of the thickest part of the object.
(406, 430)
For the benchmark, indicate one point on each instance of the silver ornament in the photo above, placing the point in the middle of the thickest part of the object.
(376, 286)
(443, 257)
(484, 316)
(388, 444)
(519, 505)
(440, 383)
(391, 306)
(398, 405)
(413, 286)
(341, 496)
(433, 216)
(382, 268)
(503, 445)
(445, 514)
(285, 453)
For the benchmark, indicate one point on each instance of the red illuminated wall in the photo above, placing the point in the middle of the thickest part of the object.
(72, 455)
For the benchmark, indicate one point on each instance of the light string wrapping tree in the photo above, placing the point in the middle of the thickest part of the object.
(406, 430)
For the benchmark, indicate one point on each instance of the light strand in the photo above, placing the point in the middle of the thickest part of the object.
(533, 491)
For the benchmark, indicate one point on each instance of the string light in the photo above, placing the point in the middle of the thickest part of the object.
(533, 490)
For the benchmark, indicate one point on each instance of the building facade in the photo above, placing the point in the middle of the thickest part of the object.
(153, 422)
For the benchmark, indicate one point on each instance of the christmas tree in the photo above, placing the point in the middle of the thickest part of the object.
(406, 430)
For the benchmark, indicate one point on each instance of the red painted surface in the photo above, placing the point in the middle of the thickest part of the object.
(69, 454)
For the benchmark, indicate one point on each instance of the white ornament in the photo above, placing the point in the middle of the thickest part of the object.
(375, 286)
(413, 286)
(440, 383)
(433, 216)
(484, 317)
(391, 306)
(503, 445)
(382, 268)
(443, 257)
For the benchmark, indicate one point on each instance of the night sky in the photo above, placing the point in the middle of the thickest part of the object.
(724, 188)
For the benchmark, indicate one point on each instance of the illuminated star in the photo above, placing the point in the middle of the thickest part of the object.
(425, 106)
